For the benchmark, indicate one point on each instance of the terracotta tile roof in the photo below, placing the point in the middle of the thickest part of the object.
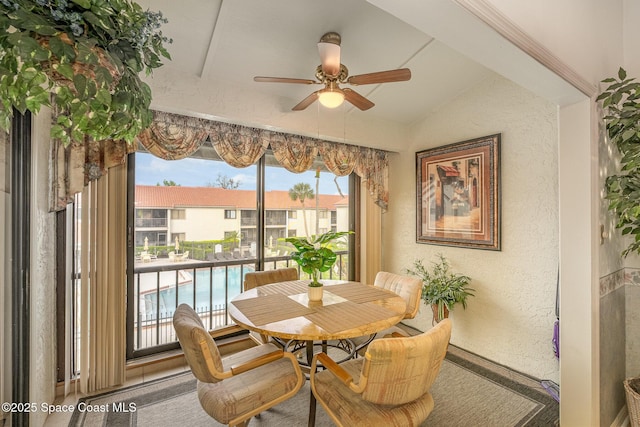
(169, 197)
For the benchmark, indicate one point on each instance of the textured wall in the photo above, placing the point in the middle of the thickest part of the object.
(5, 308)
(510, 319)
(43, 295)
(612, 346)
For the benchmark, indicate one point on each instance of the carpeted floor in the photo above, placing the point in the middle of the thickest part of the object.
(469, 391)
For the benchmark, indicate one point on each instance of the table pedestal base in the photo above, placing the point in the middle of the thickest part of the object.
(304, 351)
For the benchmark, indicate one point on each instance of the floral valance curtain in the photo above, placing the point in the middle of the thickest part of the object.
(173, 136)
(74, 166)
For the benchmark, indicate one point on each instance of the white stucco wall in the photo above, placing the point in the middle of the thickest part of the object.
(511, 317)
(203, 224)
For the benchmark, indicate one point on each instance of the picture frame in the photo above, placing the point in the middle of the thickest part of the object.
(458, 194)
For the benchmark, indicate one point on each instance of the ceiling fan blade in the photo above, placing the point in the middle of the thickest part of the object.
(329, 49)
(306, 102)
(356, 99)
(284, 80)
(399, 75)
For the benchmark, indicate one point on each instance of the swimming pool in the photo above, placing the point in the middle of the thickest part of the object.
(212, 287)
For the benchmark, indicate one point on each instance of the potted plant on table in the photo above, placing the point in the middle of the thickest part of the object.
(314, 256)
(442, 289)
(89, 53)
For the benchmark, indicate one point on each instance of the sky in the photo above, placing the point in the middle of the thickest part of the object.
(151, 170)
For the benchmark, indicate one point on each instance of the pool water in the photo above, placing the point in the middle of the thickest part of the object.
(212, 291)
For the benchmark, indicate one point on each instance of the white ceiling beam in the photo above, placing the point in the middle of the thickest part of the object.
(480, 32)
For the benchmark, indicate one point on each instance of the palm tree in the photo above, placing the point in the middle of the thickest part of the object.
(302, 191)
(317, 200)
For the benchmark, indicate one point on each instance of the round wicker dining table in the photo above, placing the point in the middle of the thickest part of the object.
(347, 310)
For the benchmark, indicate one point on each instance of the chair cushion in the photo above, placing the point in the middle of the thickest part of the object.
(241, 394)
(191, 333)
(409, 288)
(260, 278)
(403, 369)
(349, 409)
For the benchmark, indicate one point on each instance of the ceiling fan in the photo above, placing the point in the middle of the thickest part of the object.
(331, 73)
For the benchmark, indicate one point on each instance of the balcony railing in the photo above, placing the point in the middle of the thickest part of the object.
(207, 286)
(245, 222)
(151, 222)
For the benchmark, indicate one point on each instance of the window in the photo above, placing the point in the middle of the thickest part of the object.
(151, 218)
(219, 253)
(179, 236)
(299, 205)
(248, 218)
(178, 214)
(275, 217)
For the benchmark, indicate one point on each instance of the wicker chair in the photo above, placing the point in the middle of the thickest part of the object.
(259, 278)
(235, 388)
(389, 386)
(409, 288)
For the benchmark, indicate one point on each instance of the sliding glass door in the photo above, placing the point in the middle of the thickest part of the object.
(198, 225)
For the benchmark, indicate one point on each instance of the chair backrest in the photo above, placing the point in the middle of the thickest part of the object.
(259, 278)
(192, 334)
(400, 370)
(408, 287)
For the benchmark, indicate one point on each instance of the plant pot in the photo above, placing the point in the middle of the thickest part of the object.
(436, 316)
(86, 69)
(315, 293)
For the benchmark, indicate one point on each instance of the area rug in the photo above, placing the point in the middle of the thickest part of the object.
(468, 392)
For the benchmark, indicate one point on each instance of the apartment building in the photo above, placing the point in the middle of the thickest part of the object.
(166, 213)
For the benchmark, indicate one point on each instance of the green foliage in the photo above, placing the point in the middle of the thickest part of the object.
(314, 255)
(622, 119)
(441, 286)
(301, 191)
(89, 53)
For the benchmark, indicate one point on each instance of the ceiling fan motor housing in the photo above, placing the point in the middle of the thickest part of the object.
(331, 37)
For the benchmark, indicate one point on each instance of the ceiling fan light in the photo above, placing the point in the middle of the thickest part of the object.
(330, 57)
(331, 98)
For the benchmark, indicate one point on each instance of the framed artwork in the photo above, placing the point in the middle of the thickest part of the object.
(458, 194)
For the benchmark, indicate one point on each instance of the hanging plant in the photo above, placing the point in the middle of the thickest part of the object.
(621, 100)
(89, 53)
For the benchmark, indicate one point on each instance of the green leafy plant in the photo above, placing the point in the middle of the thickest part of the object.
(621, 100)
(441, 287)
(314, 255)
(89, 53)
